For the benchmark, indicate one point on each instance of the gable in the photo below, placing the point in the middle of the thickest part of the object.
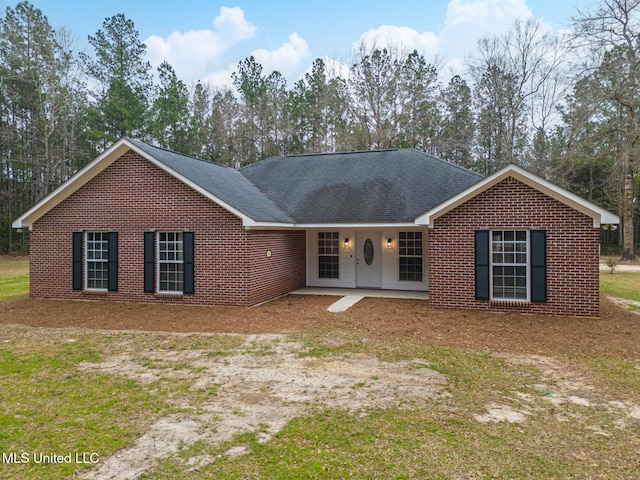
(133, 191)
(598, 215)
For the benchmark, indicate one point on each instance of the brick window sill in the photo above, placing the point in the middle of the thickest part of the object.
(169, 295)
(96, 293)
(511, 303)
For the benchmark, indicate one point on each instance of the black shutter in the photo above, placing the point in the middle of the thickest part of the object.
(77, 261)
(482, 264)
(187, 242)
(112, 269)
(149, 261)
(538, 241)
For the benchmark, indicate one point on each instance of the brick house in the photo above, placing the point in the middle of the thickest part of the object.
(141, 223)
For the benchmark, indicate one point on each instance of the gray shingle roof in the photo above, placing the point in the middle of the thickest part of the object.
(385, 186)
(225, 183)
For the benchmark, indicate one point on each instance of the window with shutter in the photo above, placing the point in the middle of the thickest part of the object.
(511, 265)
(169, 262)
(95, 258)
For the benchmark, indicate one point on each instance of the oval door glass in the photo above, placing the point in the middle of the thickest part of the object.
(368, 251)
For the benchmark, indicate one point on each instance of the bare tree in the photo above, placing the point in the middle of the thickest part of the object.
(513, 75)
(615, 25)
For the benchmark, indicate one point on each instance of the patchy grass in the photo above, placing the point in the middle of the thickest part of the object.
(582, 417)
(50, 406)
(441, 437)
(14, 277)
(621, 285)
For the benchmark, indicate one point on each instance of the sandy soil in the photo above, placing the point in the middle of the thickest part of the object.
(258, 392)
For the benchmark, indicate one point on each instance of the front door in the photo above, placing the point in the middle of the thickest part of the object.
(368, 260)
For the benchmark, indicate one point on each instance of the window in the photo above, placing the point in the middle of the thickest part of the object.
(97, 261)
(170, 262)
(509, 265)
(410, 256)
(328, 255)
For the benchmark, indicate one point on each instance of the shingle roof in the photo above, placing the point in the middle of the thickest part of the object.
(225, 183)
(385, 186)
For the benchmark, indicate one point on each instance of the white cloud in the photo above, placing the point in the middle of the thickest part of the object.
(469, 20)
(190, 53)
(466, 22)
(402, 38)
(221, 78)
(284, 58)
(488, 13)
(232, 26)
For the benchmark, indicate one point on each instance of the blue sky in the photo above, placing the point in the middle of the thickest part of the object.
(204, 40)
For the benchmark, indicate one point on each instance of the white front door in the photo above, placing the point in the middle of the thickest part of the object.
(368, 260)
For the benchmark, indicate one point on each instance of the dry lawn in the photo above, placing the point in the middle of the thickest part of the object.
(616, 332)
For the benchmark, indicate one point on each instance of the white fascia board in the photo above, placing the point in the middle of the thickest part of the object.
(246, 220)
(309, 226)
(96, 166)
(72, 185)
(599, 215)
(253, 225)
(355, 225)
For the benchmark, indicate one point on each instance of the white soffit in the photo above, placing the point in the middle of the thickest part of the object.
(599, 215)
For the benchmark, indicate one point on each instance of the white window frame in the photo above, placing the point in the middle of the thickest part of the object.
(174, 261)
(514, 264)
(421, 256)
(90, 252)
(324, 253)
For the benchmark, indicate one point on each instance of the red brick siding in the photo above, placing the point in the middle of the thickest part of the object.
(133, 196)
(572, 250)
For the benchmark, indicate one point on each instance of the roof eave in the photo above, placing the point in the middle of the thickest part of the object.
(99, 164)
(356, 225)
(307, 226)
(72, 185)
(599, 215)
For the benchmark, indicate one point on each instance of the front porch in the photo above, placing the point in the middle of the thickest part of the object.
(384, 258)
(362, 292)
(351, 296)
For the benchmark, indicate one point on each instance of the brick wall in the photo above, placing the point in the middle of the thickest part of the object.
(133, 196)
(572, 250)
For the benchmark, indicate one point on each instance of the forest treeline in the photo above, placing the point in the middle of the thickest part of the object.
(564, 107)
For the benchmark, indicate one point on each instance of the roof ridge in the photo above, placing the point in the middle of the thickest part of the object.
(327, 154)
(173, 152)
(360, 152)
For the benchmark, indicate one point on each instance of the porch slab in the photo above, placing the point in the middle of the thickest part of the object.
(362, 292)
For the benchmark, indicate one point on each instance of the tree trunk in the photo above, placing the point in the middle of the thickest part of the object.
(628, 246)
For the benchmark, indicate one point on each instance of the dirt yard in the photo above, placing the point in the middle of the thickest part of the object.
(265, 382)
(616, 332)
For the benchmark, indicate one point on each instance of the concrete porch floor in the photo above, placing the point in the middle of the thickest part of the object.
(362, 292)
